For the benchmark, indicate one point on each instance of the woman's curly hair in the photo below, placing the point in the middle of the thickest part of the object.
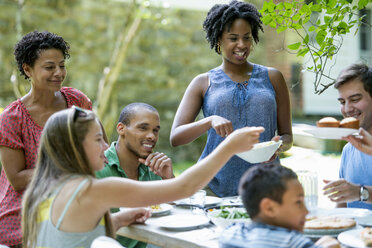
(221, 17)
(27, 50)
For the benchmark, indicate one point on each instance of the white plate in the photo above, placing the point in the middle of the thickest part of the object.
(331, 132)
(364, 221)
(209, 201)
(212, 200)
(341, 212)
(351, 238)
(164, 210)
(182, 222)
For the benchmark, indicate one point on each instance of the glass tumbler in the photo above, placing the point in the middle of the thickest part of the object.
(198, 199)
(309, 181)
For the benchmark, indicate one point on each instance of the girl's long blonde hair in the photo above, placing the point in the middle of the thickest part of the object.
(61, 155)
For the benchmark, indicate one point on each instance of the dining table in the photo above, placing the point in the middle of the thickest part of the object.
(180, 227)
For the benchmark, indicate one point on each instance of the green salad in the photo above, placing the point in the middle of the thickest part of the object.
(232, 213)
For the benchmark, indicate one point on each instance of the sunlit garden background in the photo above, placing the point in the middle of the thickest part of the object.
(134, 51)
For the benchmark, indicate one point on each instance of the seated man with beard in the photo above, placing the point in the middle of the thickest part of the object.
(132, 156)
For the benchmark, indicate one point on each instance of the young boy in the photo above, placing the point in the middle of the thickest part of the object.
(274, 199)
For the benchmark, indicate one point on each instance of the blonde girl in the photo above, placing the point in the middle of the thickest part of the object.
(66, 206)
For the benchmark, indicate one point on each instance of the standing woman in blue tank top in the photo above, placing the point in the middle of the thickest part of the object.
(236, 94)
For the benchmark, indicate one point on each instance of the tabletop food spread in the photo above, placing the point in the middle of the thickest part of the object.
(351, 226)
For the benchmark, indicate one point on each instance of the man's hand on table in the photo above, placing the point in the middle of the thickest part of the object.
(341, 191)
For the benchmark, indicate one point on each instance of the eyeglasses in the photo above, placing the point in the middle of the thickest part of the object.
(79, 112)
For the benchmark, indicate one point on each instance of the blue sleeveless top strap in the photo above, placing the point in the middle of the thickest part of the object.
(249, 103)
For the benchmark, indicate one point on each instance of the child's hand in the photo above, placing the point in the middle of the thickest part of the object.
(130, 216)
(243, 139)
(328, 242)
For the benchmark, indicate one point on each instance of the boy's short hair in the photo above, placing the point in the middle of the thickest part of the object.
(267, 180)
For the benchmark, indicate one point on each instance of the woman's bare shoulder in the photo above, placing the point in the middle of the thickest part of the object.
(200, 82)
(276, 77)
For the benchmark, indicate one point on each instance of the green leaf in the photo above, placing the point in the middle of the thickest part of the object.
(271, 6)
(306, 9)
(264, 7)
(288, 6)
(306, 39)
(362, 4)
(312, 28)
(302, 52)
(331, 3)
(267, 19)
(306, 19)
(294, 46)
(279, 19)
(296, 17)
(327, 19)
(281, 29)
(342, 28)
(332, 11)
(320, 36)
(280, 6)
(296, 26)
(316, 8)
(272, 24)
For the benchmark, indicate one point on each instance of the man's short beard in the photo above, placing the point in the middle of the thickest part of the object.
(131, 149)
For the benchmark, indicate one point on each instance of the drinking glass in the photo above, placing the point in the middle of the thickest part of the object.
(198, 199)
(309, 181)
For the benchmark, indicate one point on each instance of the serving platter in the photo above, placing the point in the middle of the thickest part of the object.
(331, 132)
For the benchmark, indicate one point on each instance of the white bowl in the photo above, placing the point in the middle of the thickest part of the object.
(222, 222)
(260, 152)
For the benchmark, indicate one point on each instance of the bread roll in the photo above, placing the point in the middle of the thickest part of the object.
(366, 236)
(350, 122)
(328, 122)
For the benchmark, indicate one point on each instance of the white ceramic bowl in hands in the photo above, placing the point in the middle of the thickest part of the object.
(260, 152)
(221, 222)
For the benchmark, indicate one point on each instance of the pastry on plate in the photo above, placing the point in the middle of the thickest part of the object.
(350, 122)
(329, 222)
(366, 236)
(328, 122)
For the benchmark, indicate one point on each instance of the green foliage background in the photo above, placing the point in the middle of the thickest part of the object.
(167, 52)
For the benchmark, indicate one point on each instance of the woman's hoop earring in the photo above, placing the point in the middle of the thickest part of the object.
(218, 48)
